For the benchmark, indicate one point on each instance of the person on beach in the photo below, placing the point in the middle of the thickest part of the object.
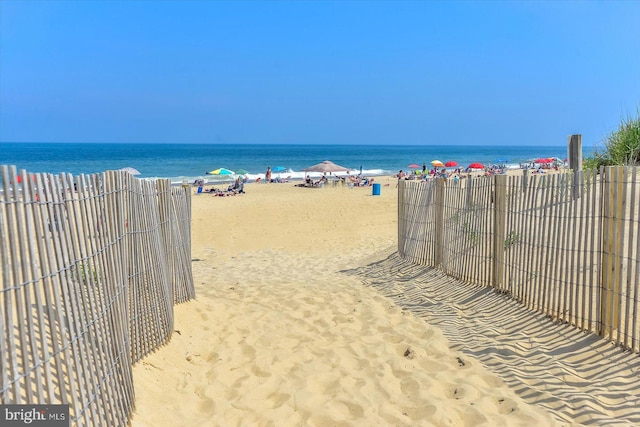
(267, 175)
(321, 181)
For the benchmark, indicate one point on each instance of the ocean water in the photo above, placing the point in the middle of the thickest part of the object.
(191, 161)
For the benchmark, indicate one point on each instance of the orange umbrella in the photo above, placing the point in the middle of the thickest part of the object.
(437, 163)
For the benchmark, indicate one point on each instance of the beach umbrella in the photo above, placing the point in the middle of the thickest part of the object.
(279, 170)
(326, 166)
(451, 163)
(543, 160)
(132, 171)
(437, 163)
(221, 171)
(19, 179)
(413, 166)
(242, 172)
(476, 166)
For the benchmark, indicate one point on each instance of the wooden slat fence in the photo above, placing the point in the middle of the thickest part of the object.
(91, 266)
(563, 245)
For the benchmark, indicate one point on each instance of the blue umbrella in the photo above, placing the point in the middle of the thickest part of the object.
(279, 169)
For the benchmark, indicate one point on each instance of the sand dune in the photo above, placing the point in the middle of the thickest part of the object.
(306, 317)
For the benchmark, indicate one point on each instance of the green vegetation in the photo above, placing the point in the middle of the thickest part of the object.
(86, 272)
(511, 239)
(471, 233)
(622, 147)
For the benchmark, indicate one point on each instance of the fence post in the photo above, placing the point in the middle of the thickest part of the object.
(574, 151)
(439, 220)
(612, 228)
(499, 222)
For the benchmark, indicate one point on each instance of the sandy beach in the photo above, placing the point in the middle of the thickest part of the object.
(306, 316)
(280, 335)
(138, 291)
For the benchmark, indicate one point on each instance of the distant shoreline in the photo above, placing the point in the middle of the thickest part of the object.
(189, 162)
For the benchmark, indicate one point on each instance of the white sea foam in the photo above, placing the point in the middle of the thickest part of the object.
(289, 174)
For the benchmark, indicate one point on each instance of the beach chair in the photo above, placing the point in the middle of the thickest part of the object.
(199, 190)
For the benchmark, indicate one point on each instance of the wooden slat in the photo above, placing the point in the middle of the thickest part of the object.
(9, 291)
(590, 286)
(511, 245)
(575, 238)
(635, 279)
(439, 220)
(562, 240)
(626, 340)
(546, 243)
(498, 231)
(567, 237)
(533, 237)
(621, 211)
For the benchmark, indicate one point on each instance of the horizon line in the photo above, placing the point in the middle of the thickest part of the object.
(282, 143)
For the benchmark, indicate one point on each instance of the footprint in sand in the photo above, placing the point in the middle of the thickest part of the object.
(394, 338)
(259, 372)
(207, 407)
(456, 392)
(420, 412)
(203, 315)
(462, 363)
(184, 380)
(506, 406)
(409, 387)
(278, 399)
(247, 350)
(355, 410)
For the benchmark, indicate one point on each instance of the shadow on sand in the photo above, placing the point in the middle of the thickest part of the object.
(575, 375)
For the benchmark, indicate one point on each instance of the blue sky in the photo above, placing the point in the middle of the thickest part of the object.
(317, 72)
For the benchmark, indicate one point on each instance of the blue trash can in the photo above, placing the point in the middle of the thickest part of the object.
(376, 190)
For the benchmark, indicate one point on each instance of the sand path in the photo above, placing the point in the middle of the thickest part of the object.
(284, 333)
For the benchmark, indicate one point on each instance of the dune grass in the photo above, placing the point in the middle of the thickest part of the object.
(621, 148)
